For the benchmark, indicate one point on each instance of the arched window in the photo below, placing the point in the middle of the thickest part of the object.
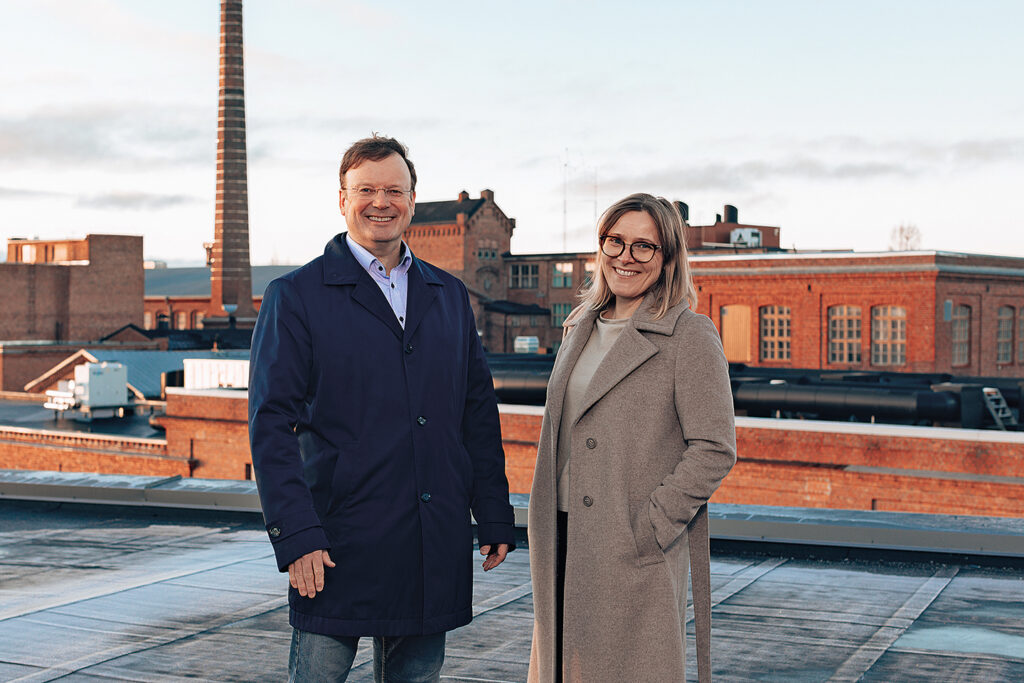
(844, 339)
(888, 335)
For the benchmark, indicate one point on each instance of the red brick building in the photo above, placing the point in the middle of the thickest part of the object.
(895, 311)
(79, 290)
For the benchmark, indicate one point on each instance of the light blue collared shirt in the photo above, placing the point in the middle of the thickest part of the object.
(395, 285)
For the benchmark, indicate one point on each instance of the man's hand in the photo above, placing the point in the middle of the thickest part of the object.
(306, 574)
(494, 558)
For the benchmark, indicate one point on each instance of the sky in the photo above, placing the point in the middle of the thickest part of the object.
(837, 121)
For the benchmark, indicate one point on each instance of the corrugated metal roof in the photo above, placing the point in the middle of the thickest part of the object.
(144, 367)
(196, 281)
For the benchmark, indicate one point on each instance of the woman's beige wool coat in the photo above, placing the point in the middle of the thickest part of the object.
(654, 438)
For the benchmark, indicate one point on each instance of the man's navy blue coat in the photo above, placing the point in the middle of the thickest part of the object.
(375, 442)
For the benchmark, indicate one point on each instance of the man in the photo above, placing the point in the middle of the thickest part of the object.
(374, 432)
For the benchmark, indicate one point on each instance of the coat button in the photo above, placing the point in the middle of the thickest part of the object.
(591, 443)
(274, 532)
(588, 501)
(425, 497)
(421, 420)
(408, 348)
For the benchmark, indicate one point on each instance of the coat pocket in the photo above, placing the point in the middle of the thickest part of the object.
(647, 549)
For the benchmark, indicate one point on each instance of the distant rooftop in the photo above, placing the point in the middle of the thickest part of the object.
(195, 281)
(445, 211)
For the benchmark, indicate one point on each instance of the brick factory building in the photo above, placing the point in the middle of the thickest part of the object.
(60, 294)
(70, 289)
(894, 311)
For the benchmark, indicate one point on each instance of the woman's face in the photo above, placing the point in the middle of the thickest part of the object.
(627, 278)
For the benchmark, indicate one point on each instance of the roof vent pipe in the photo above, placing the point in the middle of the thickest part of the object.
(731, 214)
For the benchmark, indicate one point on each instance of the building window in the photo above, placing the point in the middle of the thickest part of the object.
(562, 275)
(1004, 335)
(559, 312)
(775, 332)
(522, 276)
(844, 334)
(534, 322)
(1020, 336)
(181, 320)
(200, 316)
(147, 320)
(588, 272)
(961, 335)
(888, 335)
(487, 249)
(513, 321)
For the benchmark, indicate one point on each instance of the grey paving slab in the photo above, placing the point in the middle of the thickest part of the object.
(208, 656)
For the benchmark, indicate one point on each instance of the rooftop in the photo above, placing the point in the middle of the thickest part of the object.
(106, 592)
(446, 211)
(195, 281)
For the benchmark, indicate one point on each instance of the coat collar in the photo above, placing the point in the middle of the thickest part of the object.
(342, 268)
(631, 350)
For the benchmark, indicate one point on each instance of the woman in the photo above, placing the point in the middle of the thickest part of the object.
(638, 433)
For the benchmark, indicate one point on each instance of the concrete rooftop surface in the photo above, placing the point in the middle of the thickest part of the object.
(111, 593)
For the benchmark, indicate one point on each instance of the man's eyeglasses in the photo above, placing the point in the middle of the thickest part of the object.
(642, 252)
(393, 194)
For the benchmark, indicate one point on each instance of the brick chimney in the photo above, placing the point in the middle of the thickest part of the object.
(463, 196)
(231, 272)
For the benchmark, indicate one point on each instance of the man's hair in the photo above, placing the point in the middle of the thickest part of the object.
(675, 283)
(374, 148)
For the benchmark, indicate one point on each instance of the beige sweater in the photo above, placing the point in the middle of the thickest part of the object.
(601, 339)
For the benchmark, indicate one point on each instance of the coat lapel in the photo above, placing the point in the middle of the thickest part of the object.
(423, 285)
(631, 350)
(341, 268)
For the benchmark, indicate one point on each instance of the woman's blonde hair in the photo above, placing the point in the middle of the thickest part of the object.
(675, 283)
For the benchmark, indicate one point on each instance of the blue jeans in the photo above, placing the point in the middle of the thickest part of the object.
(398, 659)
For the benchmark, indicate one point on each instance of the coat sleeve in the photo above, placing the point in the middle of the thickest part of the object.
(703, 403)
(280, 369)
(481, 435)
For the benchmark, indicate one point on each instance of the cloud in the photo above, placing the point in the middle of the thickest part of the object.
(744, 176)
(22, 193)
(989, 151)
(134, 201)
(836, 158)
(138, 134)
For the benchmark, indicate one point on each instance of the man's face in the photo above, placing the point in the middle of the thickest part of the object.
(378, 222)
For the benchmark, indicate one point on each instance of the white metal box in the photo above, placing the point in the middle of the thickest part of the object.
(101, 385)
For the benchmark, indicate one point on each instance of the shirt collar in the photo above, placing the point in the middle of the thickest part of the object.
(369, 262)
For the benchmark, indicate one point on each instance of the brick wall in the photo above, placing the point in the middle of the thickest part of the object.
(781, 462)
(839, 465)
(877, 467)
(211, 427)
(23, 449)
(77, 299)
